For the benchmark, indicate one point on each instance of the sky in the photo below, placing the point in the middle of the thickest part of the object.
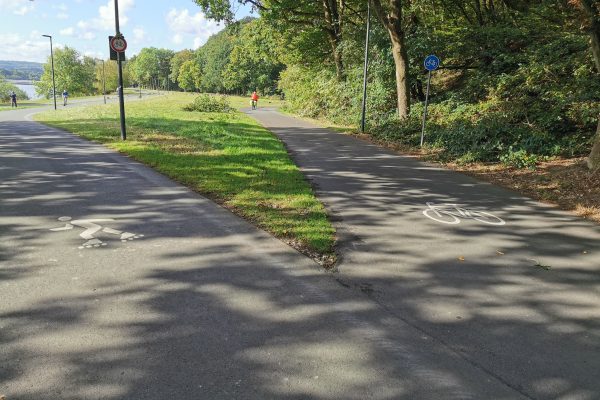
(86, 24)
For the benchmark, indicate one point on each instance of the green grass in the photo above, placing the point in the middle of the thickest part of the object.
(227, 157)
(25, 104)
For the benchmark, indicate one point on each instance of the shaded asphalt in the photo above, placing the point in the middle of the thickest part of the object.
(176, 298)
(520, 301)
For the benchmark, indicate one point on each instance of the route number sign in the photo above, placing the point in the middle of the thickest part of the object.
(118, 44)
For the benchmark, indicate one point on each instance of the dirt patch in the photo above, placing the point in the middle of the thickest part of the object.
(567, 183)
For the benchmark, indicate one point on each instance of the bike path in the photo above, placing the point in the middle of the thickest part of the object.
(519, 300)
(197, 304)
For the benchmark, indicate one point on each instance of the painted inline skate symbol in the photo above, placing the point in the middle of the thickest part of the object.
(92, 227)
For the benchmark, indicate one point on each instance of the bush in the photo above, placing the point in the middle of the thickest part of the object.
(519, 159)
(209, 103)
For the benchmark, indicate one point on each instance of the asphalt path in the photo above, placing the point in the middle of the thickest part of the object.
(117, 283)
(509, 284)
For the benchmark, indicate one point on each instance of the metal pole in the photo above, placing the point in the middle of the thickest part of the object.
(52, 60)
(365, 69)
(120, 69)
(425, 111)
(103, 82)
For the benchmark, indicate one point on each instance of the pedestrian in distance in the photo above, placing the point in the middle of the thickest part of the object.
(254, 99)
(65, 96)
(13, 99)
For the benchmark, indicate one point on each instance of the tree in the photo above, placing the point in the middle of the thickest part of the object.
(590, 15)
(254, 60)
(73, 73)
(389, 13)
(177, 61)
(111, 74)
(6, 88)
(213, 57)
(152, 66)
(189, 77)
(327, 17)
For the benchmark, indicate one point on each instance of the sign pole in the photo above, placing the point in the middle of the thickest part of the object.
(431, 64)
(364, 99)
(120, 68)
(425, 110)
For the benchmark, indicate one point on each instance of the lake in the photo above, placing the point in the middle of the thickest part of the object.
(27, 87)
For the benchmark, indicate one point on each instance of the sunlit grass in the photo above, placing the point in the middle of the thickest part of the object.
(227, 157)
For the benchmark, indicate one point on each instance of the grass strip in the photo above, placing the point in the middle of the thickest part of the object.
(228, 157)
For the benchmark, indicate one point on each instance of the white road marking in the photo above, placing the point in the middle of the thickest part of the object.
(452, 213)
(92, 227)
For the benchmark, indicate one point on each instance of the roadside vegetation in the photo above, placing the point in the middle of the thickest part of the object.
(226, 156)
(518, 88)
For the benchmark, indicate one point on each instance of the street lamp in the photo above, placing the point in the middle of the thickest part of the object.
(52, 58)
(103, 81)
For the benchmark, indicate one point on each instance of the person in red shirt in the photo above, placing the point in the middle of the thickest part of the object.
(254, 98)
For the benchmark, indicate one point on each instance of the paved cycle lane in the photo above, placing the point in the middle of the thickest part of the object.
(118, 283)
(511, 284)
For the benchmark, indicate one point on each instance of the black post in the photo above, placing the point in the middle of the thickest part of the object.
(364, 99)
(425, 110)
(52, 61)
(120, 68)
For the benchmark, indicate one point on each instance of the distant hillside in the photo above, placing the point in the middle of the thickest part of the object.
(24, 70)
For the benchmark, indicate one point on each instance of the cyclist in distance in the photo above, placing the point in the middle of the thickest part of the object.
(254, 98)
(65, 96)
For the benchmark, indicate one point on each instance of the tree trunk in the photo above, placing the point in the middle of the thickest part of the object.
(401, 64)
(392, 21)
(591, 16)
(333, 18)
(593, 160)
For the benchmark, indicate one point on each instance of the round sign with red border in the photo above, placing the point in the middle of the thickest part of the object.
(118, 44)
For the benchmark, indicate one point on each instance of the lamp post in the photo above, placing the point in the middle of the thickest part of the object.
(103, 82)
(53, 81)
(365, 69)
(120, 69)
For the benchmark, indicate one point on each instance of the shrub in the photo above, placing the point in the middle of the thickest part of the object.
(519, 159)
(209, 103)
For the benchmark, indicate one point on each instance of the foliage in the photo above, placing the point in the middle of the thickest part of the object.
(189, 77)
(177, 61)
(213, 58)
(254, 60)
(6, 88)
(519, 159)
(109, 72)
(209, 103)
(151, 67)
(72, 72)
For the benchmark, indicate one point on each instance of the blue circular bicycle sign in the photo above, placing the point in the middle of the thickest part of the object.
(432, 63)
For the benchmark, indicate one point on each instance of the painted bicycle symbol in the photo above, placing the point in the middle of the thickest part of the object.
(452, 214)
(92, 227)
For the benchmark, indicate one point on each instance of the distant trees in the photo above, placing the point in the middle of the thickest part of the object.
(111, 74)
(6, 88)
(73, 72)
(151, 67)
